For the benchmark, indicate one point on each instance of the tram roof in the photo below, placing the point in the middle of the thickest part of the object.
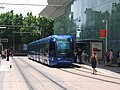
(55, 8)
(49, 37)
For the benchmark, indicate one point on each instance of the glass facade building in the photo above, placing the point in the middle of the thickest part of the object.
(85, 18)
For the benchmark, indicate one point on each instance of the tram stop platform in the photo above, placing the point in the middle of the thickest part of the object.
(5, 75)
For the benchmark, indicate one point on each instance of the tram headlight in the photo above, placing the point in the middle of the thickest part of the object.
(54, 39)
(58, 58)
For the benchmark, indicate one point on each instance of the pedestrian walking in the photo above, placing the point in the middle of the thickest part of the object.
(3, 55)
(118, 58)
(94, 62)
(11, 53)
(8, 54)
(110, 57)
(79, 53)
(107, 60)
(84, 56)
(75, 56)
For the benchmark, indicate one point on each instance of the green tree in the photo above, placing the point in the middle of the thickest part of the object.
(11, 22)
(16, 26)
(39, 27)
(45, 26)
(29, 25)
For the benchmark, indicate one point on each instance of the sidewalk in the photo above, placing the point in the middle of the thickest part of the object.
(5, 75)
(101, 68)
(5, 65)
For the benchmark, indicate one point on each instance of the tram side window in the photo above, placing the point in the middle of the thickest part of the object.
(40, 50)
(46, 49)
(52, 49)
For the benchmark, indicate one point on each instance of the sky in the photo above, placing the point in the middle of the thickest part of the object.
(24, 9)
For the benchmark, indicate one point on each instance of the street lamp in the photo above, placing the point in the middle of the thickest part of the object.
(80, 33)
(106, 40)
(106, 26)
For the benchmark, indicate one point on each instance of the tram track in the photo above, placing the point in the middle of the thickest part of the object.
(43, 74)
(88, 76)
(26, 81)
(73, 71)
(86, 71)
(71, 78)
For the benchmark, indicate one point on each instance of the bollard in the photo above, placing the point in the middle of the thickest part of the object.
(10, 66)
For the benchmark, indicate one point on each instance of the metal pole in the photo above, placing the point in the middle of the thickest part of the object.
(13, 43)
(106, 34)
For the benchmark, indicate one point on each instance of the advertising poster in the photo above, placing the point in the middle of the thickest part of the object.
(97, 46)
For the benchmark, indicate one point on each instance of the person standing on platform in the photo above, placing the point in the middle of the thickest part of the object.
(94, 61)
(118, 58)
(79, 53)
(84, 56)
(75, 56)
(107, 60)
(111, 56)
(8, 54)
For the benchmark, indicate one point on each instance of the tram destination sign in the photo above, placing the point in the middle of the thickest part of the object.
(3, 40)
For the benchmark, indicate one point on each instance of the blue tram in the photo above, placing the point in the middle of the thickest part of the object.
(53, 50)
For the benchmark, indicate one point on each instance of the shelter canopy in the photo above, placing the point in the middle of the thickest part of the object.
(55, 8)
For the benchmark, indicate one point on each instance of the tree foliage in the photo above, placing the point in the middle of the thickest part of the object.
(21, 29)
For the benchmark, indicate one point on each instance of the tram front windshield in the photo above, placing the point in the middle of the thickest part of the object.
(63, 46)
